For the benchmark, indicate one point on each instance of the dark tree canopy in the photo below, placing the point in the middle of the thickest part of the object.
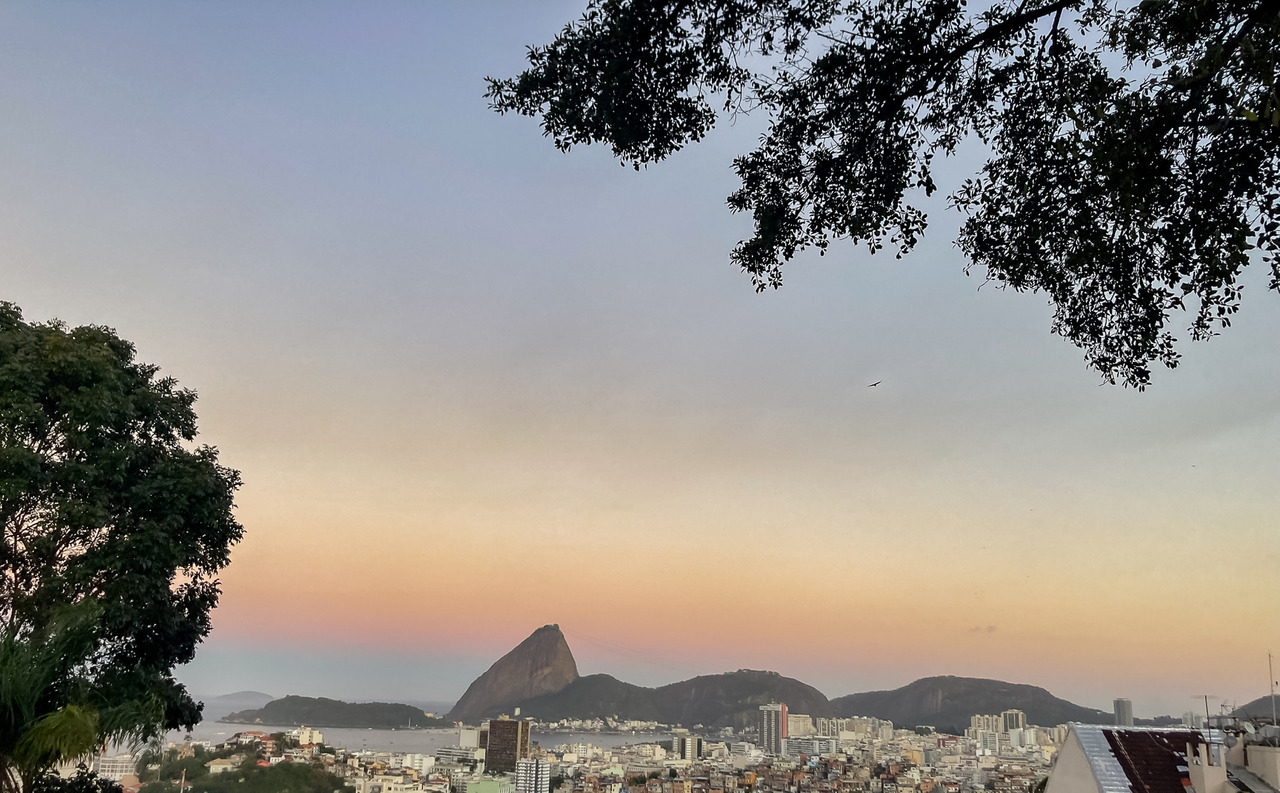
(1133, 162)
(83, 781)
(114, 528)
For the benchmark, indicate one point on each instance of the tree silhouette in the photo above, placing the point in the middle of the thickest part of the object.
(114, 528)
(1132, 164)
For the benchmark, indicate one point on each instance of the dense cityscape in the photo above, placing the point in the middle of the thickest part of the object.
(782, 752)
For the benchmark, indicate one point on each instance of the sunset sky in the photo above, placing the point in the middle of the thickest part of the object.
(475, 385)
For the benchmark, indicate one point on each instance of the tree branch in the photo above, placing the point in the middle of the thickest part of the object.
(986, 38)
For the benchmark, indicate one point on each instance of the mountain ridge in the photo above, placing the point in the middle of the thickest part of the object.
(948, 701)
(731, 699)
(1260, 707)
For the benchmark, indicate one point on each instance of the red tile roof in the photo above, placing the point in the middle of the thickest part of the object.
(1155, 761)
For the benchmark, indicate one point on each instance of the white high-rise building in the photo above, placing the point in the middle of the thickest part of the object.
(305, 735)
(533, 775)
(799, 725)
(685, 746)
(988, 743)
(422, 763)
(810, 745)
(773, 727)
(1124, 712)
(1012, 720)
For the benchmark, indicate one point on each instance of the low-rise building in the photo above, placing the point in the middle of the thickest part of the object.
(115, 767)
(222, 765)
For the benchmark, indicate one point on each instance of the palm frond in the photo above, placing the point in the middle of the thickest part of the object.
(71, 731)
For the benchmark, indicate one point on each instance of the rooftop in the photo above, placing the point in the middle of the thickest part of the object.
(1140, 759)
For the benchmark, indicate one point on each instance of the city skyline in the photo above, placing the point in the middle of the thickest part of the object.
(453, 364)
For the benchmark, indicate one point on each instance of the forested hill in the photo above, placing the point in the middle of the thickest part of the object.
(1258, 707)
(729, 699)
(948, 702)
(734, 698)
(323, 712)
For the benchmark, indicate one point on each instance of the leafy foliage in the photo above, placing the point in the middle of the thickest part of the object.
(113, 533)
(280, 778)
(1134, 150)
(49, 665)
(83, 781)
(161, 771)
(174, 769)
(30, 668)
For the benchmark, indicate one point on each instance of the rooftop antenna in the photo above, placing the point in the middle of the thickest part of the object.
(1208, 724)
(1271, 678)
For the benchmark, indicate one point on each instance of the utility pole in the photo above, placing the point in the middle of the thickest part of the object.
(1207, 725)
(1271, 678)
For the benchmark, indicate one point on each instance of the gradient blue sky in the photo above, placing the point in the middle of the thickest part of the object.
(475, 386)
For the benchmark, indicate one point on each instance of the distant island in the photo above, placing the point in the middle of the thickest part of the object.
(323, 712)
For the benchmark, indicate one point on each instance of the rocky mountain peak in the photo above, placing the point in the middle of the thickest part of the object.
(541, 664)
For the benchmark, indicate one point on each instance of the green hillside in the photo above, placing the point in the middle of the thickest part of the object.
(323, 712)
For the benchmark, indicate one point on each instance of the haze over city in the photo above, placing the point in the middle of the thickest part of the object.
(475, 385)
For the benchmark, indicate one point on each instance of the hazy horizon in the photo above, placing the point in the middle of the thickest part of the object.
(446, 702)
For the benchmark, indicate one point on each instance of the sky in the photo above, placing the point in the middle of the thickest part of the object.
(475, 385)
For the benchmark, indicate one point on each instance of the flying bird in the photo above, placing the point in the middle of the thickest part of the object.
(876, 383)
